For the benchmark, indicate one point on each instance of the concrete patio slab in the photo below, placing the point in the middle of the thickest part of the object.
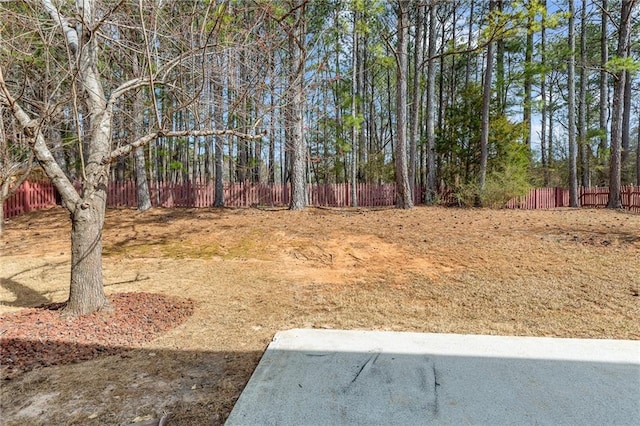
(334, 377)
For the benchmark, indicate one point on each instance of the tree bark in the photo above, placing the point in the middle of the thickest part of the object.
(582, 100)
(404, 198)
(296, 107)
(604, 89)
(571, 111)
(432, 184)
(528, 80)
(550, 139)
(543, 94)
(86, 292)
(486, 103)
(626, 127)
(638, 152)
(219, 145)
(142, 184)
(354, 113)
(416, 95)
(617, 116)
(501, 86)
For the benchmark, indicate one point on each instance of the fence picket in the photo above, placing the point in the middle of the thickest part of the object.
(40, 195)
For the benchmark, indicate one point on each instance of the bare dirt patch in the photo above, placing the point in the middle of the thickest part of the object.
(251, 273)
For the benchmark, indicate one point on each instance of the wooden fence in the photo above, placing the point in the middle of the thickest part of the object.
(30, 196)
(594, 197)
(123, 194)
(38, 195)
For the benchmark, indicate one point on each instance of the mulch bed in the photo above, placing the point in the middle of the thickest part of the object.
(40, 337)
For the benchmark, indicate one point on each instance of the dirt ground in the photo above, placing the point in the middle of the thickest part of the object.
(250, 273)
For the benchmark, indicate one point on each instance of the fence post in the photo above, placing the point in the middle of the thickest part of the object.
(27, 196)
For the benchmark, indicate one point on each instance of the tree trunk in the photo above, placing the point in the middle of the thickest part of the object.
(296, 108)
(617, 116)
(362, 133)
(486, 103)
(571, 111)
(543, 95)
(501, 86)
(219, 148)
(219, 183)
(142, 185)
(582, 99)
(551, 111)
(528, 79)
(638, 152)
(416, 95)
(626, 127)
(432, 185)
(604, 90)
(86, 292)
(298, 163)
(404, 198)
(354, 114)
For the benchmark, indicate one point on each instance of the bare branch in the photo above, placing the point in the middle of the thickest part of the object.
(24, 169)
(150, 65)
(69, 32)
(126, 149)
(157, 78)
(39, 147)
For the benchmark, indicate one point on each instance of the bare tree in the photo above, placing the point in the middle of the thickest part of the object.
(84, 31)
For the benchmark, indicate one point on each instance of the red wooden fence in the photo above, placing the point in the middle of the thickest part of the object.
(38, 195)
(30, 196)
(547, 198)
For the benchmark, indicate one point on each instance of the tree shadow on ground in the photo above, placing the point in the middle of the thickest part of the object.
(25, 296)
(121, 385)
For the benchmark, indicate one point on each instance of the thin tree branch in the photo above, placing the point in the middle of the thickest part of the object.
(70, 33)
(126, 149)
(39, 147)
(150, 65)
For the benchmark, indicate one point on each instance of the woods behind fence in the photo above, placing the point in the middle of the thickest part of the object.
(39, 195)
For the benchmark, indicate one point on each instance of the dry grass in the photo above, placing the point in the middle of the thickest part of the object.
(566, 273)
